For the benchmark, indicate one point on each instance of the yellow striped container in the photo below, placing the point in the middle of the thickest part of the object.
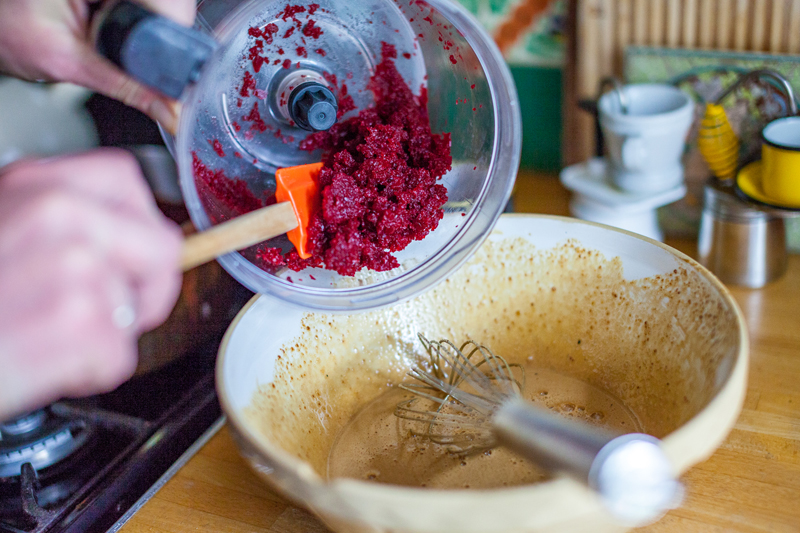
(718, 143)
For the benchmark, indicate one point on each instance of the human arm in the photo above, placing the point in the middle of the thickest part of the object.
(87, 263)
(50, 40)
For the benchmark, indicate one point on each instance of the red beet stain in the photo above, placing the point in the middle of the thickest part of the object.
(290, 11)
(320, 51)
(265, 33)
(254, 116)
(312, 30)
(287, 63)
(248, 84)
(270, 256)
(312, 8)
(233, 196)
(258, 61)
(217, 146)
(301, 51)
(453, 59)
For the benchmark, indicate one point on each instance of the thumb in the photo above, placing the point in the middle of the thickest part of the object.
(100, 75)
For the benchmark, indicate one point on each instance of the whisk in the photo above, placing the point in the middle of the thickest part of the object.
(476, 403)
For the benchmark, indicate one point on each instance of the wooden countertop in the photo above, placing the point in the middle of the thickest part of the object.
(752, 483)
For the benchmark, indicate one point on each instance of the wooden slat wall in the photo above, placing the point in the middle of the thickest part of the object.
(601, 29)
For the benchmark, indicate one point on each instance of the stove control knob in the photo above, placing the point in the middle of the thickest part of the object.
(313, 106)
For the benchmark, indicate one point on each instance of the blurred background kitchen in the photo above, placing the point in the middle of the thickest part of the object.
(565, 56)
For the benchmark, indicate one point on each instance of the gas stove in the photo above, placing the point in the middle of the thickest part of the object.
(87, 465)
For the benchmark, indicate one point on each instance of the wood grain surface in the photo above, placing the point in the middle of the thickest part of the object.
(751, 484)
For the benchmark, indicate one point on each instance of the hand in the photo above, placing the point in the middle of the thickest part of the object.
(87, 262)
(49, 40)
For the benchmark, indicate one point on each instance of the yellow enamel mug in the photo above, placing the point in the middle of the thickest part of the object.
(780, 154)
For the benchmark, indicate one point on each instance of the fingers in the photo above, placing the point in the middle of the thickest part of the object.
(147, 251)
(59, 321)
(181, 11)
(49, 39)
(97, 201)
(100, 75)
(108, 175)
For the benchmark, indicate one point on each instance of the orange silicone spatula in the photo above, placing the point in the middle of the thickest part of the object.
(298, 198)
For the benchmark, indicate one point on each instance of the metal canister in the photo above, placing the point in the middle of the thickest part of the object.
(740, 243)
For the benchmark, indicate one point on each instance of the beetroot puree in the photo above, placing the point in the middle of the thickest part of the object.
(378, 182)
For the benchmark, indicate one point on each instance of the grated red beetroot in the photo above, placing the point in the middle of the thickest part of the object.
(254, 116)
(232, 193)
(248, 84)
(312, 30)
(265, 33)
(378, 182)
(217, 146)
(290, 11)
(271, 256)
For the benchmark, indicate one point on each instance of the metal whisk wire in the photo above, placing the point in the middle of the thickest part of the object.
(466, 393)
(478, 404)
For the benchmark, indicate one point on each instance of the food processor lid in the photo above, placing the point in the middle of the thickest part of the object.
(287, 69)
(236, 127)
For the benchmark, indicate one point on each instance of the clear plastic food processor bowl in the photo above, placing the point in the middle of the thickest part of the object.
(440, 46)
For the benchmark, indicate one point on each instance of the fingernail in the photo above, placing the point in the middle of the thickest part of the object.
(165, 114)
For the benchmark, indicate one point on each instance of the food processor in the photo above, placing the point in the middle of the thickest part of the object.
(285, 69)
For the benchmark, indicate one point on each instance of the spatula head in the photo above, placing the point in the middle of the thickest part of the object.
(299, 186)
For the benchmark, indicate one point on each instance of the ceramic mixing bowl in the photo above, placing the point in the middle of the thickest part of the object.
(618, 311)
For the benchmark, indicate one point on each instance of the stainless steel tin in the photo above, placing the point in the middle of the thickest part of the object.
(741, 244)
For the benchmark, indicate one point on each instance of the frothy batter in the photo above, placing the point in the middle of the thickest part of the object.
(375, 445)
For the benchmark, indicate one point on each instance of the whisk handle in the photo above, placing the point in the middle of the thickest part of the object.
(630, 472)
(551, 441)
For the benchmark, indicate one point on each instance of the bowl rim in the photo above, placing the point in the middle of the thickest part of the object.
(710, 426)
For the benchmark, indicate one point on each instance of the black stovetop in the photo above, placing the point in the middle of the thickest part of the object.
(137, 433)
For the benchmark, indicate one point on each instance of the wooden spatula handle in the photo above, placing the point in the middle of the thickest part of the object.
(239, 233)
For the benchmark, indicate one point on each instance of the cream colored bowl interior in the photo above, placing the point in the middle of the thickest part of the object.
(624, 313)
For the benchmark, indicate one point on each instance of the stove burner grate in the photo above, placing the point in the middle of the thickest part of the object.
(48, 457)
(40, 439)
